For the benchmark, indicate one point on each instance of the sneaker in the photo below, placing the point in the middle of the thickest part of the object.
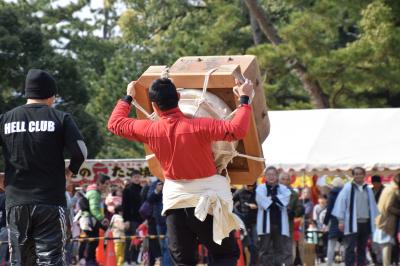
(82, 262)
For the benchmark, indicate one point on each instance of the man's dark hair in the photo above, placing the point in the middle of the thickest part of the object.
(376, 179)
(135, 172)
(271, 168)
(163, 92)
(102, 179)
(358, 168)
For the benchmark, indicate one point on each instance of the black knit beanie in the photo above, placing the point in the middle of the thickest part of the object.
(39, 85)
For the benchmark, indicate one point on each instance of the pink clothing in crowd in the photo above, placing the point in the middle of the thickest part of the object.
(112, 202)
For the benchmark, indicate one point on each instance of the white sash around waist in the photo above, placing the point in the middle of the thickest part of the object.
(210, 195)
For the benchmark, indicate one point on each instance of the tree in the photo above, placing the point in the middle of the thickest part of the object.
(25, 44)
(334, 53)
(335, 43)
(171, 29)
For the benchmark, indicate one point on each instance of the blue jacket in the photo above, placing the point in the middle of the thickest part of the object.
(334, 231)
(346, 208)
(156, 200)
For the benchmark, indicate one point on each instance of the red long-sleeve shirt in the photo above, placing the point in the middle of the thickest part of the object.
(181, 144)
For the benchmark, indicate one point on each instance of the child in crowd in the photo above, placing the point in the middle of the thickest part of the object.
(118, 228)
(113, 199)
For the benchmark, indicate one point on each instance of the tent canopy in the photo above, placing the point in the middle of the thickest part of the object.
(334, 139)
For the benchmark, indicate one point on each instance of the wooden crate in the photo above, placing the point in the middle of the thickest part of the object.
(189, 73)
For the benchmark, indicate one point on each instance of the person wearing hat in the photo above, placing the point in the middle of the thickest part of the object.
(192, 189)
(33, 137)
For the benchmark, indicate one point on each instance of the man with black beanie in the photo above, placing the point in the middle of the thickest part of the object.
(33, 137)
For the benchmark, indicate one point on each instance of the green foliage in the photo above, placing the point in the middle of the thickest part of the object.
(349, 47)
(170, 29)
(25, 44)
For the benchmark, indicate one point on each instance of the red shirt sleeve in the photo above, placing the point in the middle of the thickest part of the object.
(121, 125)
(227, 130)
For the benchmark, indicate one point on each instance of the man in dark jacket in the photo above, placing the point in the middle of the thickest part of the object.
(158, 221)
(245, 207)
(377, 187)
(131, 202)
(334, 234)
(295, 208)
(33, 137)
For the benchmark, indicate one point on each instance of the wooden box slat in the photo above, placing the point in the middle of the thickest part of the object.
(189, 73)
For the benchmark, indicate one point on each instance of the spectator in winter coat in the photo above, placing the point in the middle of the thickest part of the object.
(334, 234)
(272, 221)
(155, 198)
(117, 227)
(377, 187)
(131, 202)
(356, 210)
(245, 206)
(319, 213)
(308, 206)
(295, 208)
(113, 199)
(387, 220)
(93, 195)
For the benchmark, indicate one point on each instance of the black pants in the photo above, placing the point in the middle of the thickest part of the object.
(185, 231)
(275, 249)
(357, 242)
(131, 252)
(37, 235)
(92, 245)
(154, 244)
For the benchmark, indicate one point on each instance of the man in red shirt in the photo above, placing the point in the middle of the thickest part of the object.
(183, 147)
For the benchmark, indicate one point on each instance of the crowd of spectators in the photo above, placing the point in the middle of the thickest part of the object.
(353, 223)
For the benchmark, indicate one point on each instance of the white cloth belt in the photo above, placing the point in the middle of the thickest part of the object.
(210, 195)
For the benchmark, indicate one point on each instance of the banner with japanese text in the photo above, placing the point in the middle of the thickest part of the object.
(117, 169)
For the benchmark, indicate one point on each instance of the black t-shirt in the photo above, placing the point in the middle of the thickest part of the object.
(33, 138)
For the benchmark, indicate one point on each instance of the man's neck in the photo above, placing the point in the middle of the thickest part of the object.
(41, 101)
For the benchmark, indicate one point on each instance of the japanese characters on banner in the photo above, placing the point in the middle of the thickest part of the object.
(116, 169)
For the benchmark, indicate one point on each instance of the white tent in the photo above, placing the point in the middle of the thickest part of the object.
(334, 139)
